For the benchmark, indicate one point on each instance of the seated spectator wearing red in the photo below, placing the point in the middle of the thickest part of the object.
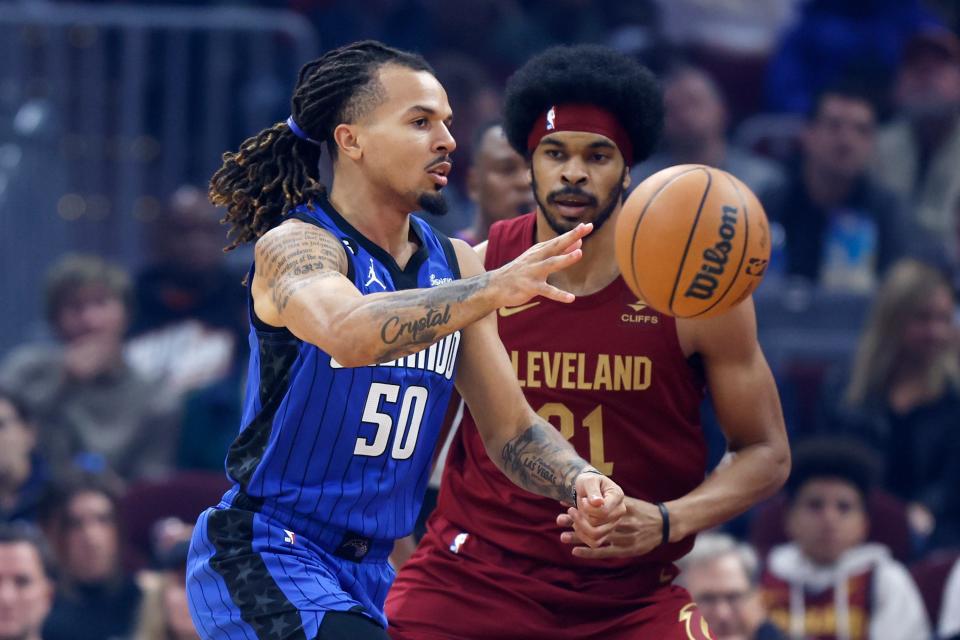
(842, 229)
(95, 599)
(828, 582)
(23, 473)
(84, 397)
(26, 582)
(695, 132)
(902, 397)
(722, 575)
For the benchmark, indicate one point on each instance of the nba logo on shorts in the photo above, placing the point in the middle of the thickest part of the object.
(289, 537)
(458, 542)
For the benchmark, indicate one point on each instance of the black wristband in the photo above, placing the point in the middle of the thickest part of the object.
(665, 516)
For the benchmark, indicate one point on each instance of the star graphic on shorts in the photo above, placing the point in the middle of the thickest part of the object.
(232, 526)
(263, 602)
(244, 571)
(278, 626)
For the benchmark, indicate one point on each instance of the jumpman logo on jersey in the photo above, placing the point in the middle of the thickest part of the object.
(372, 277)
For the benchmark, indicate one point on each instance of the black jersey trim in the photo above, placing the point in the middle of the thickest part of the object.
(448, 250)
(405, 278)
(276, 360)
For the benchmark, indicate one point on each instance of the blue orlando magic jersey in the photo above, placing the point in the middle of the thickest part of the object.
(324, 447)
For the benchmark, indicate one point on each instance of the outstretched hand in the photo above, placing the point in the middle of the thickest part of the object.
(526, 276)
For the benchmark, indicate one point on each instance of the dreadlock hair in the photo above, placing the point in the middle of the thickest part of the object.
(584, 74)
(275, 171)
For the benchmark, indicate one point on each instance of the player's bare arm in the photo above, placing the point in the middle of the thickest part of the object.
(301, 284)
(528, 449)
(748, 409)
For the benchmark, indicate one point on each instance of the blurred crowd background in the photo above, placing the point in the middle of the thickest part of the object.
(123, 328)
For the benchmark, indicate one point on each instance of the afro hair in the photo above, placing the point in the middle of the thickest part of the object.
(585, 74)
(837, 458)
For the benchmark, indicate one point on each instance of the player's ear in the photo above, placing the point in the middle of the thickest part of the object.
(348, 143)
(627, 179)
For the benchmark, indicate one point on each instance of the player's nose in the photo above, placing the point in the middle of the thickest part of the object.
(574, 173)
(444, 143)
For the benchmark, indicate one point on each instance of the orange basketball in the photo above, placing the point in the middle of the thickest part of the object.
(692, 241)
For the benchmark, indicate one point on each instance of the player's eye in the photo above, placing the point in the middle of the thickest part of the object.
(420, 122)
(599, 157)
(554, 154)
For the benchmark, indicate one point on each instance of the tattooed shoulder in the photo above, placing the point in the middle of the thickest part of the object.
(293, 256)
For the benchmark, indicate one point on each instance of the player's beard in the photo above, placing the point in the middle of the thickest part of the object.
(560, 226)
(433, 203)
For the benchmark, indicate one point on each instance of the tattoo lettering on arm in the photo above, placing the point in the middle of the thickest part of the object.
(295, 258)
(541, 461)
(419, 317)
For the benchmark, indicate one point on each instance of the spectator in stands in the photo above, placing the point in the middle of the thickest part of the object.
(842, 229)
(828, 582)
(498, 183)
(84, 397)
(26, 581)
(694, 132)
(189, 321)
(949, 627)
(722, 576)
(903, 396)
(210, 420)
(23, 473)
(163, 613)
(835, 38)
(918, 154)
(96, 600)
(476, 100)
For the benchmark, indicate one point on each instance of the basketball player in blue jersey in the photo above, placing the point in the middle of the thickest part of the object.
(362, 319)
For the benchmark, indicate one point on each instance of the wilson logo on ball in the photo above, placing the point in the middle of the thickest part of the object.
(715, 258)
(692, 241)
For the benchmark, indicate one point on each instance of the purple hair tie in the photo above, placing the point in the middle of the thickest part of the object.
(300, 133)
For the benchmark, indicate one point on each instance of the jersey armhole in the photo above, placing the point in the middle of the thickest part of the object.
(491, 256)
(448, 251)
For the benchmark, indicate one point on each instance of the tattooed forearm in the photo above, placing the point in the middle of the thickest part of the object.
(541, 461)
(419, 317)
(418, 330)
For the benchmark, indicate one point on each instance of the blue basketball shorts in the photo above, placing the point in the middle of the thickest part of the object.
(249, 578)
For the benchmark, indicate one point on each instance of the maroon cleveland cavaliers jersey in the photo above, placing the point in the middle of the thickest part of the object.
(820, 616)
(609, 373)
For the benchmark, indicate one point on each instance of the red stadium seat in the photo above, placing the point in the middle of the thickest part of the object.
(184, 495)
(931, 574)
(888, 524)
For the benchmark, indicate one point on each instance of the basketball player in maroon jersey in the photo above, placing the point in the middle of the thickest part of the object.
(622, 382)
